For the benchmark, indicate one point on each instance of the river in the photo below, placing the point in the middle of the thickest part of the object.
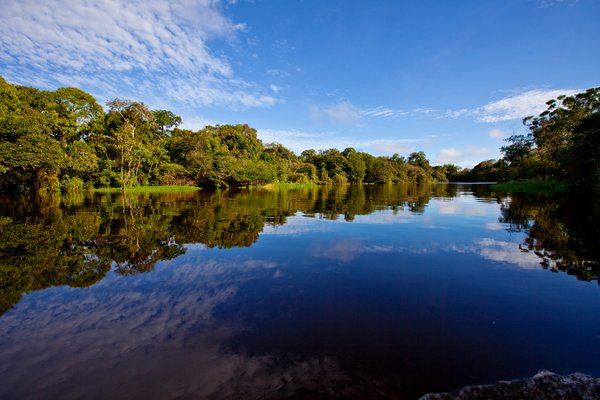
(329, 292)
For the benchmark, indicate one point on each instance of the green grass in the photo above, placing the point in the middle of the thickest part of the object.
(534, 186)
(149, 189)
(272, 186)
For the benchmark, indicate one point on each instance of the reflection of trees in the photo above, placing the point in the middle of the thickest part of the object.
(39, 252)
(75, 240)
(226, 219)
(562, 231)
(349, 201)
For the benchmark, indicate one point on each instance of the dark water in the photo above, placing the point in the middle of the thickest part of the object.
(364, 292)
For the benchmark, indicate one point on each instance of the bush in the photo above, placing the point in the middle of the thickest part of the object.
(72, 184)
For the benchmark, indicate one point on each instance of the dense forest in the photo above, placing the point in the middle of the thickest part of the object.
(64, 140)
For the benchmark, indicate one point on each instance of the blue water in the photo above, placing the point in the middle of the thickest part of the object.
(393, 300)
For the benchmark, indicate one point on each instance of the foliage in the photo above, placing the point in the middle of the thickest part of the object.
(563, 142)
(64, 139)
(151, 189)
(533, 186)
(562, 230)
(166, 121)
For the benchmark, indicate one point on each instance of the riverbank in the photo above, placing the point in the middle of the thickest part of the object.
(149, 189)
(534, 186)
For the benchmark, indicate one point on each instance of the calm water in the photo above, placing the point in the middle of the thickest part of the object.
(333, 292)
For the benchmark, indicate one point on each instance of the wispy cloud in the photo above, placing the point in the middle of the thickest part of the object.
(299, 141)
(497, 134)
(383, 112)
(346, 113)
(550, 3)
(277, 73)
(152, 47)
(531, 102)
(343, 112)
(515, 106)
(506, 252)
(275, 89)
(466, 157)
(195, 123)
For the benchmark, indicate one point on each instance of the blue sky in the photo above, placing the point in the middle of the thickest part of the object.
(451, 78)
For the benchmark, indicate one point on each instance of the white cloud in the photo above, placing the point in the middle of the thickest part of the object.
(299, 141)
(495, 226)
(339, 250)
(516, 106)
(550, 3)
(467, 157)
(195, 123)
(277, 72)
(151, 48)
(496, 250)
(497, 134)
(531, 102)
(383, 112)
(343, 112)
(168, 315)
(450, 154)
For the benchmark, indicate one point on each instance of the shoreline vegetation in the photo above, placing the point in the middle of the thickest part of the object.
(534, 186)
(191, 188)
(64, 141)
(149, 189)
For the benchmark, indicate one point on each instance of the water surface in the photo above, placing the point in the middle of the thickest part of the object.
(332, 292)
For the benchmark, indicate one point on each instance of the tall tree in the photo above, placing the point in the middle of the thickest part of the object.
(131, 125)
(562, 141)
(166, 121)
(77, 115)
(419, 159)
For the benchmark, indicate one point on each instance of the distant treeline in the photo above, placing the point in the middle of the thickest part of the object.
(563, 143)
(64, 140)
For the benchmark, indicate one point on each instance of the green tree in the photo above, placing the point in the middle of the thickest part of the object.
(562, 142)
(355, 167)
(419, 159)
(166, 121)
(76, 115)
(131, 125)
(34, 160)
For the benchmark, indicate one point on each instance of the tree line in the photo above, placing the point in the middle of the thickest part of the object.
(64, 140)
(562, 143)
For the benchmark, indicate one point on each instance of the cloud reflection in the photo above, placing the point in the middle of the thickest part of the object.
(339, 250)
(148, 336)
(508, 252)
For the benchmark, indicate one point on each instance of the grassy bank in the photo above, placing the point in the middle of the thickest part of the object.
(275, 186)
(533, 186)
(149, 189)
